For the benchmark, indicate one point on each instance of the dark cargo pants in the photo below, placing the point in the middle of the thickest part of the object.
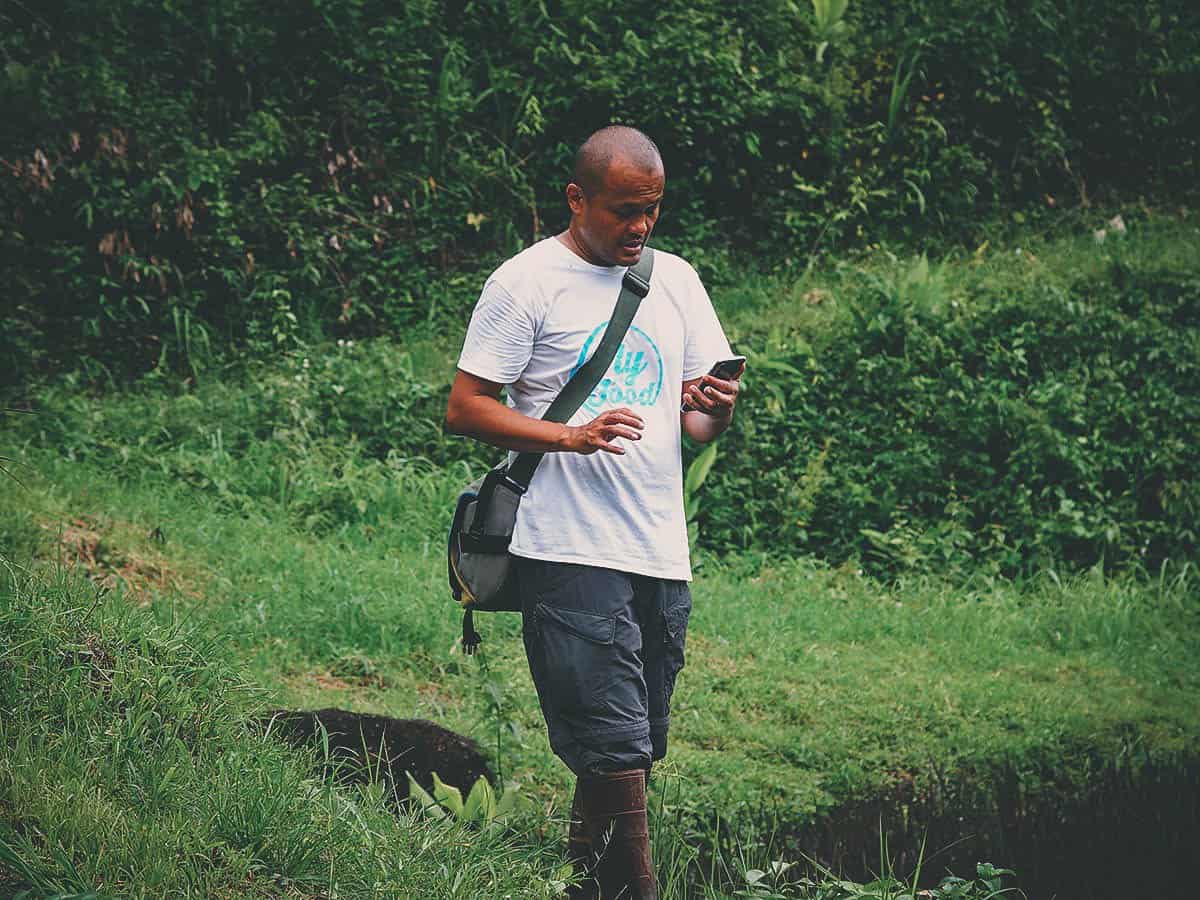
(604, 649)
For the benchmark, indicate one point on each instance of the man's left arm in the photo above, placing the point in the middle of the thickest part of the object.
(712, 401)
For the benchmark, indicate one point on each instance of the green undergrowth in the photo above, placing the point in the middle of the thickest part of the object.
(272, 536)
(1016, 408)
(164, 199)
(807, 687)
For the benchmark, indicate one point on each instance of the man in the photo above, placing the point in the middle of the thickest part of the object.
(600, 541)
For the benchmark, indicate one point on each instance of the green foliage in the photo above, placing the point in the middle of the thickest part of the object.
(932, 427)
(830, 16)
(960, 417)
(697, 472)
(482, 807)
(771, 885)
(179, 178)
(347, 433)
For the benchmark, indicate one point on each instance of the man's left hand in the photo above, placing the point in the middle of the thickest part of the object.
(714, 396)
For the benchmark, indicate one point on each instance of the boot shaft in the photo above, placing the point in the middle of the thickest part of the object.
(609, 827)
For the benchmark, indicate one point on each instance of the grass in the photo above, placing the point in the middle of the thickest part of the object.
(806, 687)
(128, 769)
(241, 553)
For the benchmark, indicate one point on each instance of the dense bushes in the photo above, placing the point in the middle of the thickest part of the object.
(1007, 431)
(182, 175)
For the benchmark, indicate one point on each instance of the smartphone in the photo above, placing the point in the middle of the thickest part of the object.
(724, 369)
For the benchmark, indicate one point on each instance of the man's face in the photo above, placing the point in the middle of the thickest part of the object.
(614, 223)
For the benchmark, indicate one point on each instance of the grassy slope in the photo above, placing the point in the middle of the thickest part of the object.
(805, 687)
(128, 769)
(821, 680)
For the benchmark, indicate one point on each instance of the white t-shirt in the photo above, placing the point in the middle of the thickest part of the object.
(540, 316)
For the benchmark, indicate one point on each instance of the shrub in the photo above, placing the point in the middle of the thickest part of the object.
(1015, 429)
(178, 177)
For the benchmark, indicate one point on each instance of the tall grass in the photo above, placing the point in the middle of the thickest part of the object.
(807, 687)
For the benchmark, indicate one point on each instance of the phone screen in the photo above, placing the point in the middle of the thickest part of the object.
(727, 368)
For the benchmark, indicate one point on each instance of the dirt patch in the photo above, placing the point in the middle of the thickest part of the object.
(331, 680)
(326, 682)
(109, 553)
(364, 747)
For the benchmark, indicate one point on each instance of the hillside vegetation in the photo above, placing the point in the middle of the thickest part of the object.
(946, 607)
(992, 416)
(282, 527)
(179, 176)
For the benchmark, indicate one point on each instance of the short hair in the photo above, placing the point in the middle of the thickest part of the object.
(596, 154)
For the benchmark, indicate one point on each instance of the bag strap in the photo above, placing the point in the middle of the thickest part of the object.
(635, 285)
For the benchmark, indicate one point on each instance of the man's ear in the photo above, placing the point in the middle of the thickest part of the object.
(576, 198)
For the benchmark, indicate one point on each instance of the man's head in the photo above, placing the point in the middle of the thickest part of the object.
(615, 195)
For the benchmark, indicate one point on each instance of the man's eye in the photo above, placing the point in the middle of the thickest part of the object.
(630, 212)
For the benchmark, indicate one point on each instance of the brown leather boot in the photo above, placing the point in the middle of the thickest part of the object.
(613, 813)
(579, 852)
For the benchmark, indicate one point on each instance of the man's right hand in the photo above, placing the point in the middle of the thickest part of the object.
(474, 409)
(600, 433)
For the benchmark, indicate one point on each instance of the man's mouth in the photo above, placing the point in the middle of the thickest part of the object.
(632, 245)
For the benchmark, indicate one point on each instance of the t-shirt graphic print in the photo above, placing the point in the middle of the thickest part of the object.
(540, 317)
(635, 377)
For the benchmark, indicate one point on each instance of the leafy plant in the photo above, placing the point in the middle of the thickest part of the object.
(830, 20)
(481, 807)
(697, 472)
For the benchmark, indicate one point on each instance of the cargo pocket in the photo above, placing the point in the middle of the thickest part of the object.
(676, 611)
(577, 649)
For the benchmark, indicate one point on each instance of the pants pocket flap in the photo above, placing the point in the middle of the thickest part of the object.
(589, 626)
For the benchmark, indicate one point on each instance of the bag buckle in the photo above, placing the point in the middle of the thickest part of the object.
(515, 486)
(636, 283)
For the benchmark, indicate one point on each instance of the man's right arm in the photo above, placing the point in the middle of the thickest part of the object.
(475, 410)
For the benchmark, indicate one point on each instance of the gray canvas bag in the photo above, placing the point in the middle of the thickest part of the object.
(479, 566)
